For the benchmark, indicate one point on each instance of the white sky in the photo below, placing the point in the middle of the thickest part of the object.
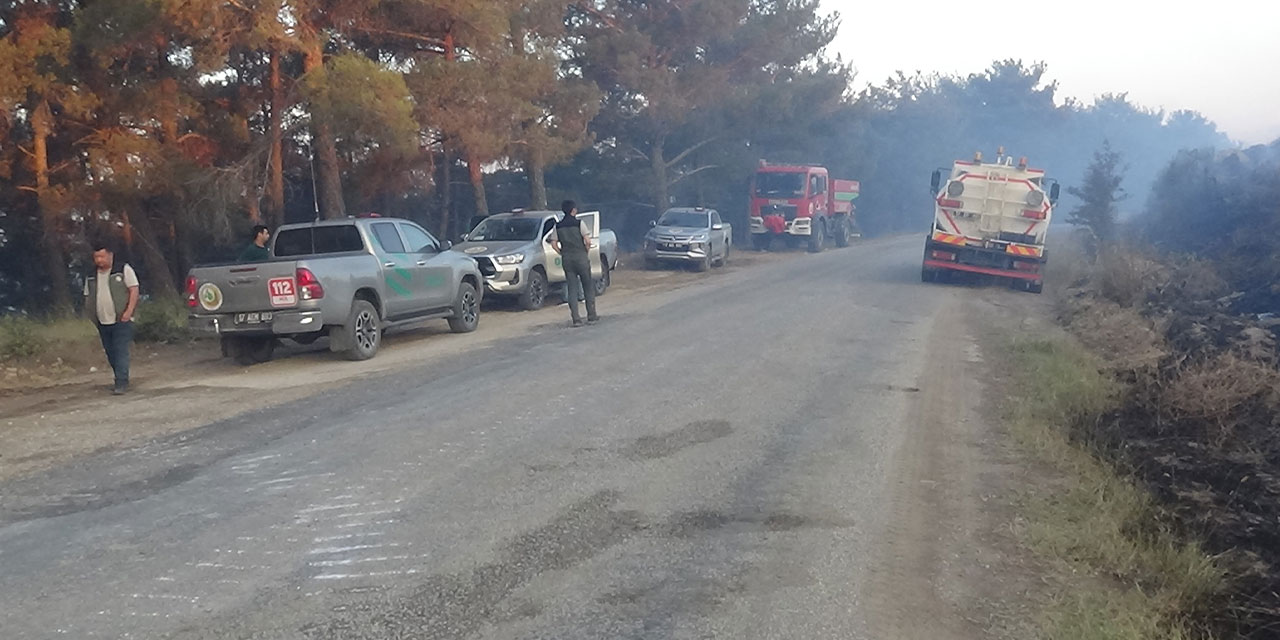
(1221, 58)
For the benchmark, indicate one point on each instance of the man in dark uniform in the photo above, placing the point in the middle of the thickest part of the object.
(257, 250)
(572, 240)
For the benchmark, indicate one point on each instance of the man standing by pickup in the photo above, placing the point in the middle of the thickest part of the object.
(571, 239)
(257, 249)
(110, 298)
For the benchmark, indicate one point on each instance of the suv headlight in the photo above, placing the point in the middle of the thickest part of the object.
(510, 258)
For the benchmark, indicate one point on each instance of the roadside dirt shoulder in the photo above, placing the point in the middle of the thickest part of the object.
(952, 564)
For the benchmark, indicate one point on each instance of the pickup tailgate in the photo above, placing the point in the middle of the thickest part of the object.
(264, 286)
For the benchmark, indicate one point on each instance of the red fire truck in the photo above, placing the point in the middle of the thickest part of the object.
(801, 202)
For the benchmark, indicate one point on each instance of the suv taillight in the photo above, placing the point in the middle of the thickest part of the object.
(308, 285)
(191, 292)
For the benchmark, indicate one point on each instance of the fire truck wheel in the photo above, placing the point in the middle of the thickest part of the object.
(761, 241)
(842, 232)
(817, 238)
(1035, 287)
(928, 275)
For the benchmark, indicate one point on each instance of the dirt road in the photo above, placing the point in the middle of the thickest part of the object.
(715, 459)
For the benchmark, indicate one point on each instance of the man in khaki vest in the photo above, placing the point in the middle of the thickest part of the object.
(110, 298)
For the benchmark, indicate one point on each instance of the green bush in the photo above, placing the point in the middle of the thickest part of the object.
(161, 321)
(20, 338)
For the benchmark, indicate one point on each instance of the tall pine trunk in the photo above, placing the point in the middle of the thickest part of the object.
(55, 261)
(536, 167)
(275, 177)
(158, 277)
(477, 184)
(169, 206)
(446, 194)
(658, 159)
(324, 145)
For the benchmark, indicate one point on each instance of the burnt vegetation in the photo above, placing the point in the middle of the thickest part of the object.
(1188, 307)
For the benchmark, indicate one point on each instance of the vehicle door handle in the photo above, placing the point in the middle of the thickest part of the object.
(389, 265)
(422, 263)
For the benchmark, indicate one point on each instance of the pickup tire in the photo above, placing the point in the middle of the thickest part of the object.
(724, 258)
(603, 282)
(466, 310)
(535, 294)
(705, 263)
(251, 351)
(362, 332)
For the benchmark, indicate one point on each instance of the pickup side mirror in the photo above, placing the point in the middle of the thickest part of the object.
(717, 227)
(653, 223)
(1053, 193)
(446, 245)
(464, 237)
(937, 182)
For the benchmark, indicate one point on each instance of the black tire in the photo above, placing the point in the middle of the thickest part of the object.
(817, 237)
(251, 351)
(705, 263)
(466, 309)
(1036, 287)
(603, 282)
(928, 275)
(761, 241)
(535, 294)
(842, 231)
(363, 331)
(724, 259)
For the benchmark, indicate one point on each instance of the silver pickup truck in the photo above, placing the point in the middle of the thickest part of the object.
(348, 279)
(690, 235)
(515, 254)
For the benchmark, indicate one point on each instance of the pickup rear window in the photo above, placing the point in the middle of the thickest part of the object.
(317, 240)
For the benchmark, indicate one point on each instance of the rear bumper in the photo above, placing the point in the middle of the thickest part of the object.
(282, 323)
(990, 271)
(991, 262)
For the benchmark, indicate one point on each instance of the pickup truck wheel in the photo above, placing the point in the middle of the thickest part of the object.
(705, 262)
(251, 351)
(724, 259)
(363, 331)
(466, 310)
(602, 284)
(535, 295)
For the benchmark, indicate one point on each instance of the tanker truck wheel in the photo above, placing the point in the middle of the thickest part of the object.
(761, 241)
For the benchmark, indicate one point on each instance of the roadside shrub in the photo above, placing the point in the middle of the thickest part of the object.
(1128, 278)
(1224, 392)
(19, 338)
(161, 321)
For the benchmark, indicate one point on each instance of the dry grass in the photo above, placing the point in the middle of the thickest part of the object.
(1219, 392)
(1098, 523)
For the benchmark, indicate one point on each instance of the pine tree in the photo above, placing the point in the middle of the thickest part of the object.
(1099, 191)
